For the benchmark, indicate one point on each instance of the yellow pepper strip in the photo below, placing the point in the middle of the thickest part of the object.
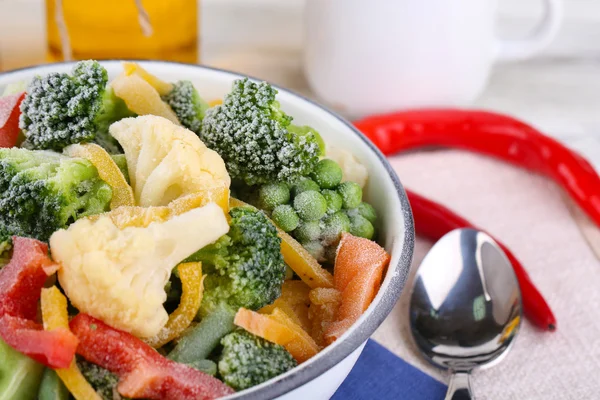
(294, 301)
(191, 297)
(215, 102)
(161, 86)
(218, 195)
(280, 329)
(298, 258)
(141, 97)
(135, 216)
(140, 217)
(108, 171)
(54, 314)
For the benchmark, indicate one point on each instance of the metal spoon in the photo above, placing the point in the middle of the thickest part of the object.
(465, 307)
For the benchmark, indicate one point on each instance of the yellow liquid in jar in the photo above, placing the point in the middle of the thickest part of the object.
(105, 29)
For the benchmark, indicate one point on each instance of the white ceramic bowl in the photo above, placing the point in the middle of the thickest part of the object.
(319, 377)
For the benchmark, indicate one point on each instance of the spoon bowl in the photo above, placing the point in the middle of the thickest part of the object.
(465, 307)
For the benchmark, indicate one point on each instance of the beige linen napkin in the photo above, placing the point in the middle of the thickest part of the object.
(528, 213)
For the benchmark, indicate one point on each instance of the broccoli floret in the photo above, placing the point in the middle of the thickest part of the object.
(5, 246)
(253, 135)
(42, 192)
(248, 360)
(61, 109)
(244, 268)
(187, 104)
(102, 380)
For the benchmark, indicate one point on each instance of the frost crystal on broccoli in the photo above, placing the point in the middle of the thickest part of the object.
(251, 133)
(187, 105)
(61, 109)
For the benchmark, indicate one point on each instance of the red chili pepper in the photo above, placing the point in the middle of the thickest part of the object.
(492, 134)
(433, 221)
(143, 372)
(21, 282)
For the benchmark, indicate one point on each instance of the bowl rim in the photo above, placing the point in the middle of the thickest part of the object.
(305, 373)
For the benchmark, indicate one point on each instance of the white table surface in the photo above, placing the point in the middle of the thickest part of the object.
(559, 92)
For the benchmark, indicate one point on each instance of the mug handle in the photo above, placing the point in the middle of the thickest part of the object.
(542, 35)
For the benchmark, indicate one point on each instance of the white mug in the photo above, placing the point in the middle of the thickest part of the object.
(372, 56)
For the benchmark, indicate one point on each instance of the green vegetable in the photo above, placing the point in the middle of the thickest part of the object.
(361, 227)
(102, 380)
(52, 388)
(323, 212)
(285, 217)
(244, 268)
(61, 109)
(310, 205)
(308, 231)
(307, 130)
(316, 249)
(42, 192)
(334, 200)
(5, 246)
(334, 225)
(327, 174)
(289, 273)
(251, 133)
(303, 185)
(273, 194)
(121, 162)
(187, 104)
(207, 366)
(197, 343)
(351, 193)
(249, 360)
(20, 376)
(367, 211)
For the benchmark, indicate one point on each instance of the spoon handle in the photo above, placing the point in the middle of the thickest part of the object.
(460, 387)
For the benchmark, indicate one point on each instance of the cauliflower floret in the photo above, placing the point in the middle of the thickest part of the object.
(352, 169)
(118, 275)
(166, 161)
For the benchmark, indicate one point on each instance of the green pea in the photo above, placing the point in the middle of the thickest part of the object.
(303, 185)
(327, 173)
(367, 211)
(310, 205)
(361, 227)
(273, 194)
(351, 193)
(308, 231)
(335, 224)
(334, 200)
(285, 217)
(316, 249)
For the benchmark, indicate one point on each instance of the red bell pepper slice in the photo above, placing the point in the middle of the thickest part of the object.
(22, 279)
(143, 372)
(54, 349)
(21, 283)
(9, 119)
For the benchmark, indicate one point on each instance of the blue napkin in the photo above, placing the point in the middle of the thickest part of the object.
(380, 374)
